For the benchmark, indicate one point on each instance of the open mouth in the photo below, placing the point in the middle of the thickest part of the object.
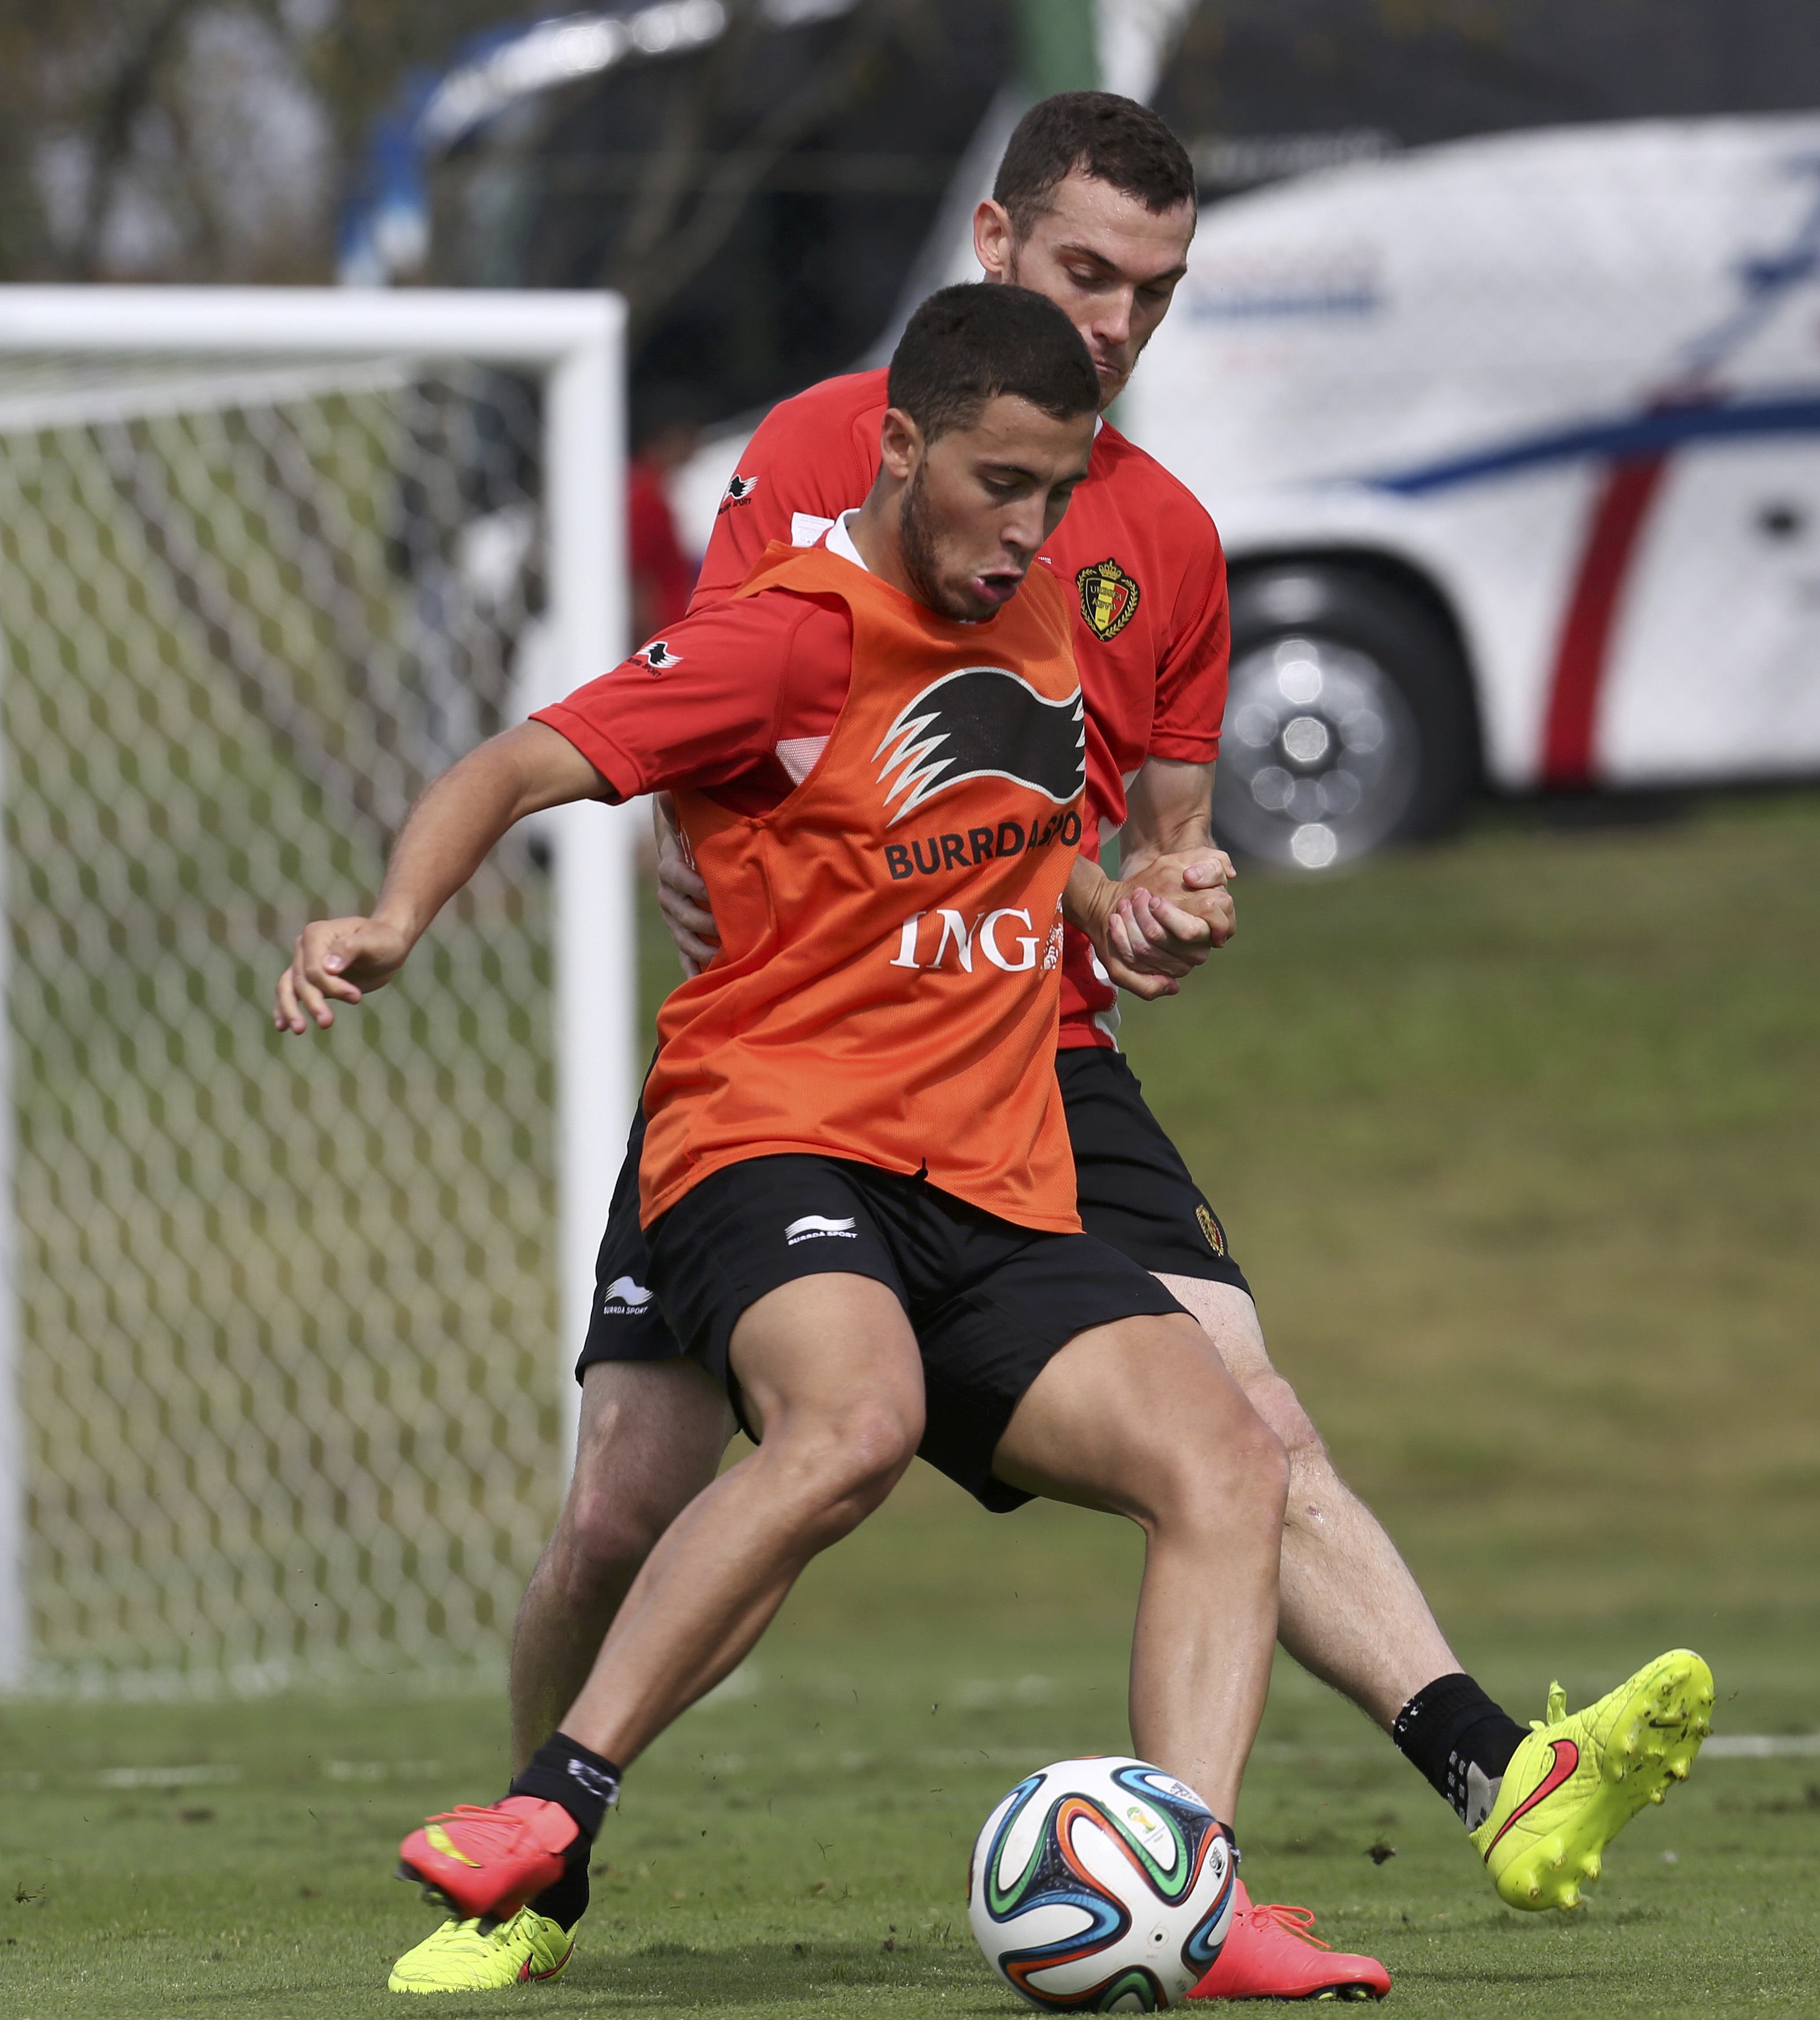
(996, 589)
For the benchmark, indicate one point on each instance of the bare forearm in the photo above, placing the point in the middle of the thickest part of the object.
(1087, 898)
(443, 843)
(466, 812)
(1169, 813)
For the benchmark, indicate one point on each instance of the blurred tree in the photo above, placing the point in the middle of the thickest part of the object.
(198, 138)
(215, 139)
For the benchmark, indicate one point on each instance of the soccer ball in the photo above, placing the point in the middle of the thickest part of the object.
(1101, 1886)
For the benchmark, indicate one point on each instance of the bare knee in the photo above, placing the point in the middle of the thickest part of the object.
(611, 1523)
(1257, 1465)
(1279, 1407)
(835, 1467)
(1230, 1471)
(651, 1439)
(1217, 1468)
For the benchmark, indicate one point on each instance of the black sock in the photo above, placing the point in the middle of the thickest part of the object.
(1461, 1741)
(585, 1785)
(566, 1902)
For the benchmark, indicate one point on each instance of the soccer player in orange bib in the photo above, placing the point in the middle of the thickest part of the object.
(856, 1186)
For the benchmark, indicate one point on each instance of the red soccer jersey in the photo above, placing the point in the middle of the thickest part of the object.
(1137, 553)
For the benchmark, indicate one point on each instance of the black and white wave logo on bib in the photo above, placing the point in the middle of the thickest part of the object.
(984, 723)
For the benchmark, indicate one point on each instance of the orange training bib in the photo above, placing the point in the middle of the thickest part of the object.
(889, 985)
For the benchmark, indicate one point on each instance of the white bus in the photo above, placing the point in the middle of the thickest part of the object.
(1498, 362)
(1514, 443)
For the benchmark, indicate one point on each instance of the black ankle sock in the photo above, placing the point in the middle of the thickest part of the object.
(585, 1785)
(1461, 1741)
(566, 1902)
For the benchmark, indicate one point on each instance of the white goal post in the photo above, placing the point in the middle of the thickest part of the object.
(284, 1339)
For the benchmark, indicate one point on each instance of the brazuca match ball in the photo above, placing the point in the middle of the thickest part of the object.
(1101, 1886)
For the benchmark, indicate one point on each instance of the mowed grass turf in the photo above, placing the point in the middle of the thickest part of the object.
(1517, 1140)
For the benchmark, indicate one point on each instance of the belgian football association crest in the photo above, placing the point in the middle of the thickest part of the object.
(1108, 597)
(1210, 1227)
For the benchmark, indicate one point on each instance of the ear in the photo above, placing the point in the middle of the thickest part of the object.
(994, 242)
(900, 444)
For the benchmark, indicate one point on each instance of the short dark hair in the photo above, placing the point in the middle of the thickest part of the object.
(966, 345)
(1113, 140)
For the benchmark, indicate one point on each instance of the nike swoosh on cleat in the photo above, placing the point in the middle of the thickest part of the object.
(527, 1976)
(1567, 1758)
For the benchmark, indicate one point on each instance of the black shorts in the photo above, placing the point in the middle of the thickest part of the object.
(991, 1303)
(1133, 1189)
(1135, 1192)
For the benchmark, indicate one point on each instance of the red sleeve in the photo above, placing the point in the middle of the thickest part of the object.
(707, 711)
(1191, 680)
(808, 457)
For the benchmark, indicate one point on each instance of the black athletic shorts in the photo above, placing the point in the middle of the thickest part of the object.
(991, 1303)
(1132, 1188)
(1135, 1192)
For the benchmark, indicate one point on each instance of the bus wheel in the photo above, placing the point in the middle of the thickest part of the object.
(1349, 722)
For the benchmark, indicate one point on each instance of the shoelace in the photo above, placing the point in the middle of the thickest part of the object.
(1297, 1922)
(1557, 1709)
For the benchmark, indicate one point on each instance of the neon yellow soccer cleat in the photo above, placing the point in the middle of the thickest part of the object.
(529, 1949)
(1574, 1783)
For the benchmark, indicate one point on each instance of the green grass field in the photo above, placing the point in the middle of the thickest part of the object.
(1518, 1140)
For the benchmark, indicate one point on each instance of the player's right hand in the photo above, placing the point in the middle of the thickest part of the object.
(334, 960)
(682, 897)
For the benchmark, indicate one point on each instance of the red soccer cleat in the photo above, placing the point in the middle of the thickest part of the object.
(486, 1863)
(1272, 1952)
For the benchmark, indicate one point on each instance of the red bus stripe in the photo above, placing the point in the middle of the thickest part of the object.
(1616, 523)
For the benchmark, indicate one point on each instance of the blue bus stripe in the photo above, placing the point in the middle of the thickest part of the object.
(1651, 433)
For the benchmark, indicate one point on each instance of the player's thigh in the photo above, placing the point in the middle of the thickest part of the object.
(831, 1354)
(776, 1276)
(1229, 1320)
(650, 1437)
(1137, 1417)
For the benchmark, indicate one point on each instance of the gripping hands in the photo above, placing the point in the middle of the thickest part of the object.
(1157, 923)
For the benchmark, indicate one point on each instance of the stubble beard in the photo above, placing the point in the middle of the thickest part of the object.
(915, 545)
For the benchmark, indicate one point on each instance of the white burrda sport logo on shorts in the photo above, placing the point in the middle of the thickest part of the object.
(624, 1298)
(818, 1227)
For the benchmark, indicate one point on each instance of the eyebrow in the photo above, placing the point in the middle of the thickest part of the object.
(1099, 259)
(1034, 477)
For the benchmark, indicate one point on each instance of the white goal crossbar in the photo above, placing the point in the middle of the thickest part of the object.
(573, 343)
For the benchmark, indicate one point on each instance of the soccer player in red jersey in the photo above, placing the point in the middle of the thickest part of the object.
(1093, 206)
(1141, 561)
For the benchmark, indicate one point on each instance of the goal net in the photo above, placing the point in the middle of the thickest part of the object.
(283, 1355)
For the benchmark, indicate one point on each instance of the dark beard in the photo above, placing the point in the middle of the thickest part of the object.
(916, 546)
